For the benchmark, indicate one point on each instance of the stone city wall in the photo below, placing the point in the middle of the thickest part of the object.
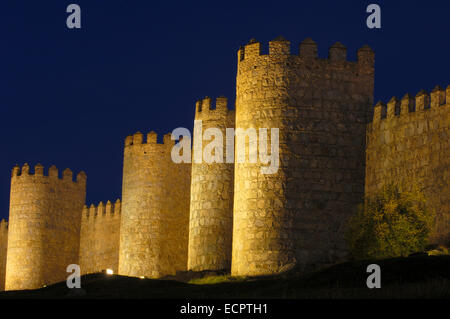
(99, 238)
(408, 142)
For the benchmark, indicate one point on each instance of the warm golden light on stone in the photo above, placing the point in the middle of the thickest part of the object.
(211, 205)
(296, 216)
(155, 209)
(44, 226)
(334, 147)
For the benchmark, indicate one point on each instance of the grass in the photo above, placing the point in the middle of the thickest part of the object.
(411, 277)
(211, 280)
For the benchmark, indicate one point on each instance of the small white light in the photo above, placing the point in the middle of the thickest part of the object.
(142, 277)
(109, 271)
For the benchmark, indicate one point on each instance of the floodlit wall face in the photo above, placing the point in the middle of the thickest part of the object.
(3, 249)
(100, 237)
(334, 148)
(409, 142)
(211, 206)
(296, 216)
(155, 209)
(44, 227)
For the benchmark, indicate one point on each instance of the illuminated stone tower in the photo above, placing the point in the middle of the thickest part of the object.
(155, 209)
(211, 214)
(44, 226)
(296, 216)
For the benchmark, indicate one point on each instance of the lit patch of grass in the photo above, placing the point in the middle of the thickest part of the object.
(439, 251)
(212, 280)
(418, 276)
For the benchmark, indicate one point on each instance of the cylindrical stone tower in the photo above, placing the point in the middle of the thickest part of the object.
(296, 216)
(212, 183)
(155, 209)
(44, 226)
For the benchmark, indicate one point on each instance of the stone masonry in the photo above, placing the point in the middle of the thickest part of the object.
(155, 209)
(408, 142)
(334, 148)
(3, 249)
(212, 185)
(44, 226)
(99, 238)
(296, 216)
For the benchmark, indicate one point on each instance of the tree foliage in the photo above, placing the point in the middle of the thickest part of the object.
(391, 223)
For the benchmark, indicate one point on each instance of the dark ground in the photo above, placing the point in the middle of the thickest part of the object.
(411, 277)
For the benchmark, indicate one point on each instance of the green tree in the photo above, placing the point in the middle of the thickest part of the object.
(391, 223)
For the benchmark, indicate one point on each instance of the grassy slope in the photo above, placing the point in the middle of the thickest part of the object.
(412, 277)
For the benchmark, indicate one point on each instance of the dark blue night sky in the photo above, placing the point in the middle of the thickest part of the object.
(70, 97)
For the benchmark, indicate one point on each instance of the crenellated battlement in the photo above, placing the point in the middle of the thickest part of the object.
(99, 237)
(45, 216)
(151, 139)
(422, 101)
(320, 107)
(102, 210)
(205, 110)
(67, 175)
(200, 216)
(407, 143)
(155, 191)
(307, 50)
